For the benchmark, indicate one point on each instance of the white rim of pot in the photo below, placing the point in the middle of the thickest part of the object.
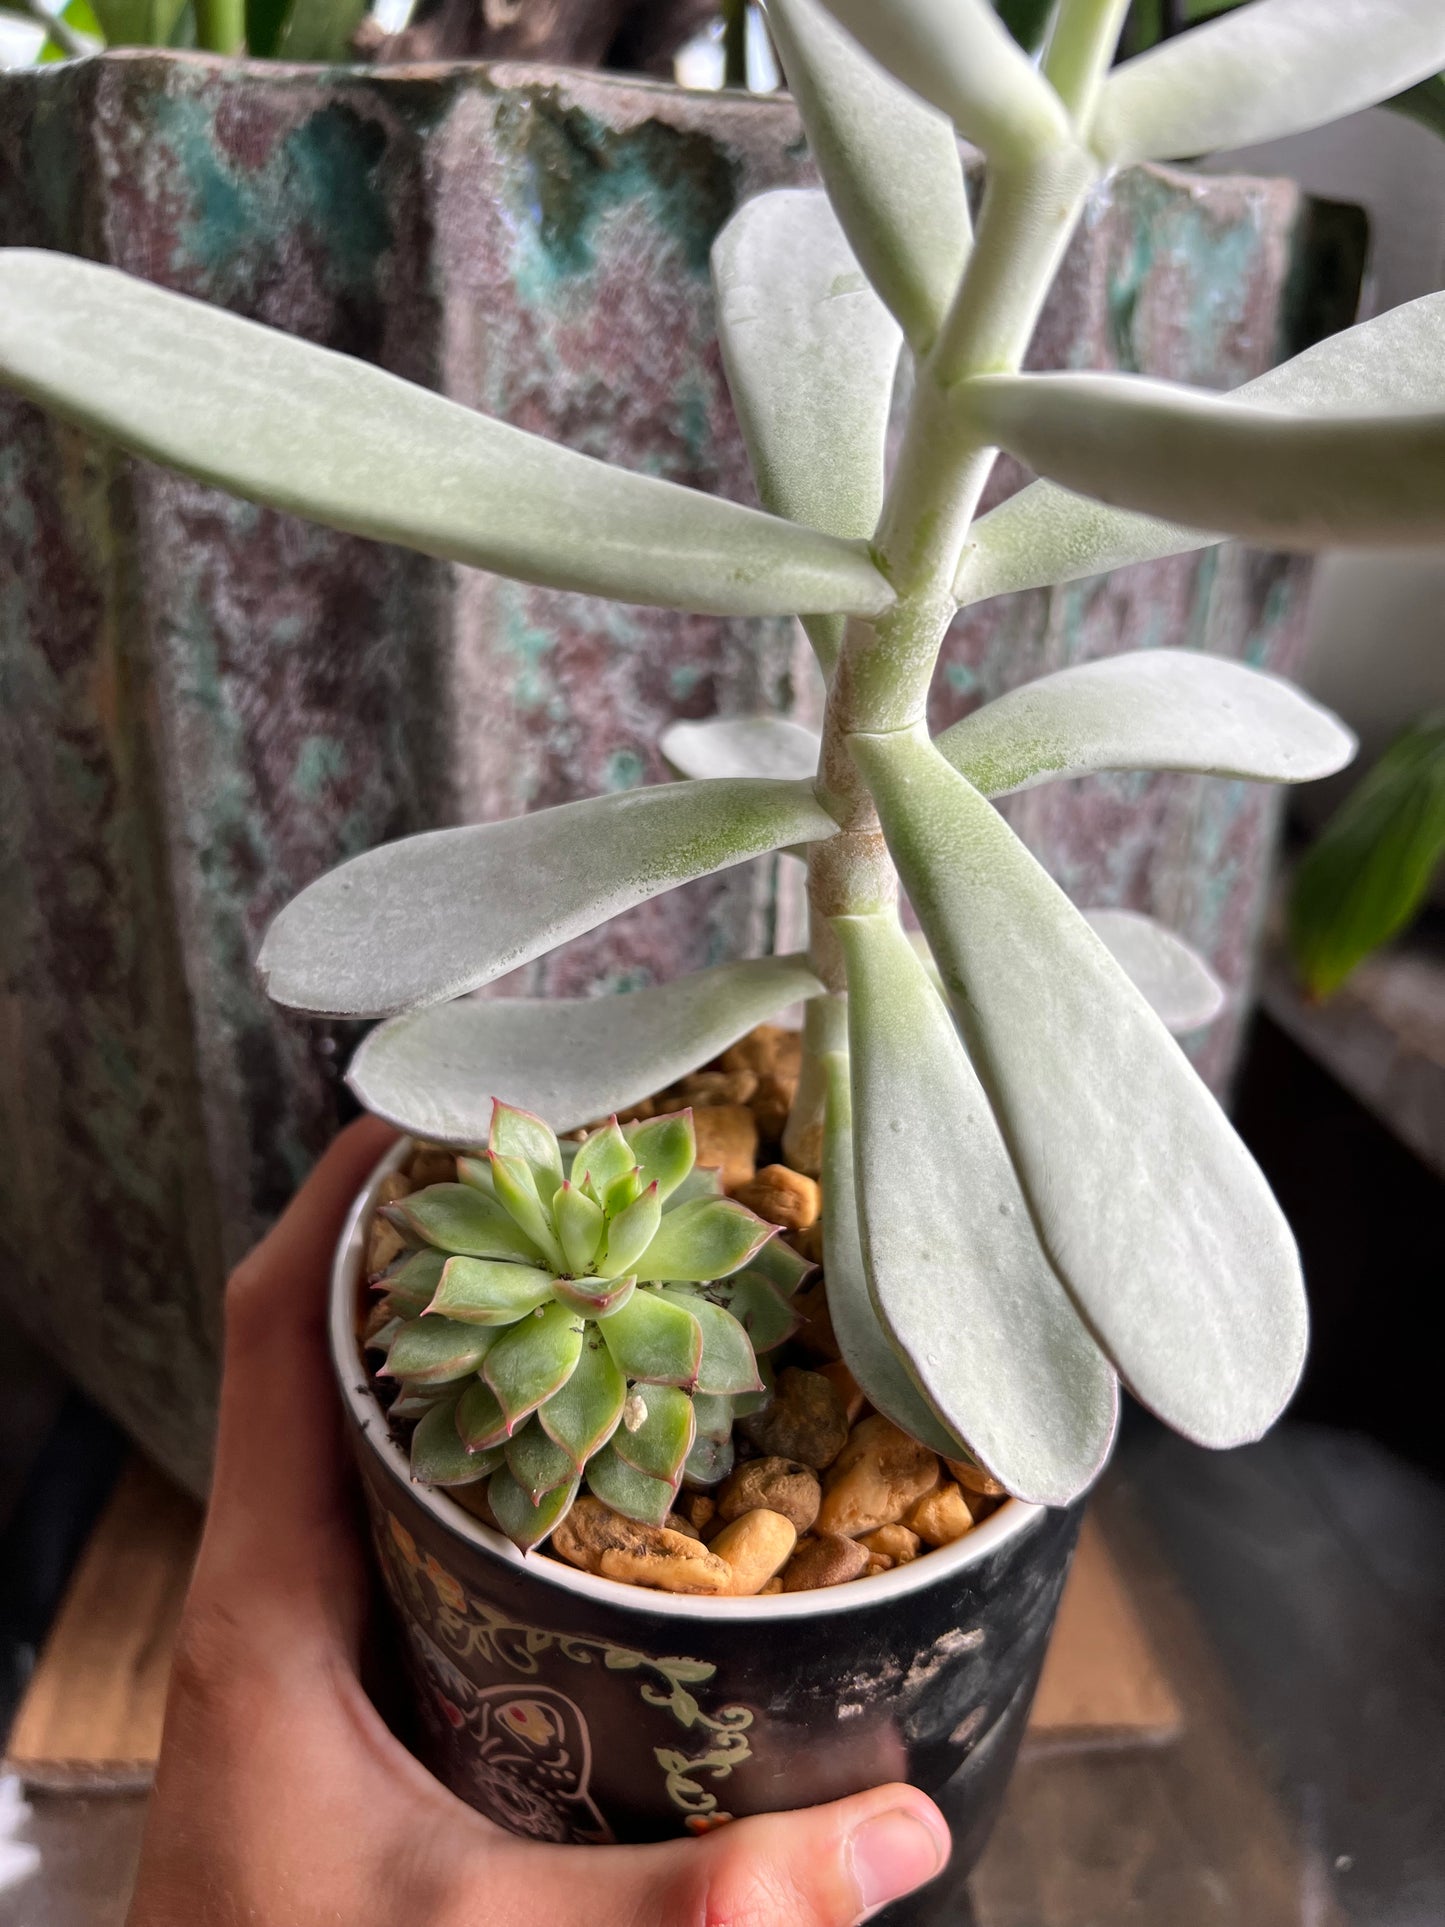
(1012, 1520)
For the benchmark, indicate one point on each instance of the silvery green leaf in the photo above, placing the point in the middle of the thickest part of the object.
(1046, 534)
(1153, 1212)
(743, 746)
(889, 161)
(525, 1524)
(281, 421)
(959, 56)
(438, 1456)
(810, 352)
(1152, 709)
(1180, 988)
(956, 1273)
(431, 917)
(1268, 475)
(1274, 68)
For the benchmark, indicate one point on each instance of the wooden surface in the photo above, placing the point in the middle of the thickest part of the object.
(93, 1712)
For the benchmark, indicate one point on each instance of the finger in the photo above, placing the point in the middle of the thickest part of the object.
(279, 1507)
(822, 1867)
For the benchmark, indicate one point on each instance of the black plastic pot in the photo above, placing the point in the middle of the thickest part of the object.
(573, 1708)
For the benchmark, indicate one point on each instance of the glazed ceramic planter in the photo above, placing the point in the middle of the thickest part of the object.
(573, 1708)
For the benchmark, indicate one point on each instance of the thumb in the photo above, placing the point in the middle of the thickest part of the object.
(827, 1866)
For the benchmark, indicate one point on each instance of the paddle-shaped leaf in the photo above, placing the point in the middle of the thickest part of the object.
(1154, 709)
(704, 1239)
(412, 1281)
(890, 163)
(651, 1340)
(481, 1422)
(489, 1291)
(278, 420)
(665, 1148)
(533, 1359)
(584, 1414)
(632, 1493)
(434, 1351)
(709, 1461)
(1046, 534)
(1180, 988)
(1284, 480)
(630, 1233)
(433, 916)
(518, 1134)
(525, 1524)
(958, 55)
(1155, 1215)
(661, 1436)
(438, 1456)
(758, 1306)
(956, 1272)
(460, 1218)
(537, 1462)
(810, 352)
(517, 1194)
(742, 746)
(579, 1225)
(1264, 71)
(727, 1364)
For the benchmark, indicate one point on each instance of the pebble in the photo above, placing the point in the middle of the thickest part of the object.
(675, 1522)
(847, 1388)
(698, 1507)
(805, 1421)
(815, 1334)
(383, 1243)
(783, 1196)
(601, 1541)
(756, 1546)
(942, 1515)
(431, 1164)
(973, 1478)
(393, 1187)
(774, 1054)
(704, 1088)
(879, 1476)
(827, 1559)
(727, 1137)
(897, 1543)
(781, 1485)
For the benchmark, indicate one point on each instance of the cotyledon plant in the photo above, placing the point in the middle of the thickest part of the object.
(594, 1311)
(1028, 1191)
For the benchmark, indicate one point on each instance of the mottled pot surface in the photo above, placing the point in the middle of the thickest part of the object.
(571, 1707)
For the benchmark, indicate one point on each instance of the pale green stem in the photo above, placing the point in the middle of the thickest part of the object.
(221, 25)
(1080, 47)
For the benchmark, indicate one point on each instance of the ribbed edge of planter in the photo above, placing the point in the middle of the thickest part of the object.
(1011, 1521)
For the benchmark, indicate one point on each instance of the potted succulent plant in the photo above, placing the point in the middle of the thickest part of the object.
(1027, 1195)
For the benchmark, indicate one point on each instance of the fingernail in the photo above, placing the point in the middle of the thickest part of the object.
(893, 1853)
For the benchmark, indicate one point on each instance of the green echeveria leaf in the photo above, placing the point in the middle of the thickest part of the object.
(434, 1351)
(411, 1282)
(702, 1181)
(867, 1350)
(810, 353)
(780, 1265)
(959, 56)
(653, 1341)
(758, 1306)
(707, 1238)
(1154, 709)
(595, 1297)
(629, 1234)
(889, 160)
(745, 1404)
(1045, 534)
(459, 1218)
(579, 1223)
(713, 1414)
(518, 1134)
(533, 1359)
(517, 1194)
(413, 1402)
(489, 1291)
(709, 1462)
(1280, 479)
(280, 421)
(628, 1491)
(438, 1456)
(1181, 989)
(742, 746)
(430, 917)
(956, 1273)
(481, 1422)
(661, 1437)
(525, 1524)
(665, 1149)
(538, 1463)
(1155, 1215)
(585, 1413)
(604, 1160)
(727, 1364)
(1371, 867)
(476, 1172)
(1264, 71)
(570, 1061)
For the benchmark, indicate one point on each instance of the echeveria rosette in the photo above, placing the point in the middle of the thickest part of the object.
(571, 1312)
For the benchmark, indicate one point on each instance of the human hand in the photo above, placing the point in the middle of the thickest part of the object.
(281, 1797)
